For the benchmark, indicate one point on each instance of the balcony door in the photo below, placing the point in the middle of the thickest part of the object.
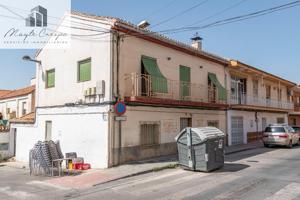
(238, 90)
(185, 82)
(268, 95)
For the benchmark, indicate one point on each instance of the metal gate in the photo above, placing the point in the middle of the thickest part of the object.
(237, 130)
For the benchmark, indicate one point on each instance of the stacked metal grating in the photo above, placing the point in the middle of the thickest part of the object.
(41, 157)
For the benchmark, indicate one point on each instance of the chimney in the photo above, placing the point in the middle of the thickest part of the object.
(197, 42)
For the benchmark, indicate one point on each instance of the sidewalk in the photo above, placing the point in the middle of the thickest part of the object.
(243, 147)
(99, 176)
(95, 177)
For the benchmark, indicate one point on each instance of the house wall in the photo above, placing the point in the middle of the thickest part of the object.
(83, 130)
(65, 62)
(249, 124)
(15, 104)
(133, 48)
(261, 86)
(7, 138)
(169, 120)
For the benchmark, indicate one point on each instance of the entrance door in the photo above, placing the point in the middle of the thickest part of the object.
(185, 122)
(263, 123)
(237, 130)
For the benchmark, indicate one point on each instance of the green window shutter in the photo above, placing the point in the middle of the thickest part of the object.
(50, 78)
(158, 82)
(222, 93)
(185, 81)
(84, 73)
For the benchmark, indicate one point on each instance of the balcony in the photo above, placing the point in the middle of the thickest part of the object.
(154, 90)
(297, 107)
(247, 100)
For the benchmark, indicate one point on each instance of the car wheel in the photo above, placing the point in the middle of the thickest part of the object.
(266, 145)
(298, 142)
(290, 145)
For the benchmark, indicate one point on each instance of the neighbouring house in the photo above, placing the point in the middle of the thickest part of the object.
(294, 116)
(166, 85)
(14, 104)
(17, 103)
(257, 99)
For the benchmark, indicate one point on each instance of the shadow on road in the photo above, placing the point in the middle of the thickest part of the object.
(232, 167)
(246, 154)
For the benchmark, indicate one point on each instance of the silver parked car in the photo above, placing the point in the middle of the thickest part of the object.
(280, 134)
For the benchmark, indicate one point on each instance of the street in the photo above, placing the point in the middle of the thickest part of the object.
(254, 174)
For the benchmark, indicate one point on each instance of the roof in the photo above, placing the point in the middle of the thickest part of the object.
(28, 118)
(4, 92)
(235, 63)
(18, 92)
(131, 29)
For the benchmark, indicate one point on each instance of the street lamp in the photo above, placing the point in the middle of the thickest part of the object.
(28, 58)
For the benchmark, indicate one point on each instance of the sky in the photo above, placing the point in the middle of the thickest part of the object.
(270, 42)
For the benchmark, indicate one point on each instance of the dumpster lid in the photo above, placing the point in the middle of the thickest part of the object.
(199, 135)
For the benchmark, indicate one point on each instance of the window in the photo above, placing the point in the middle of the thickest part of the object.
(84, 70)
(255, 88)
(4, 146)
(24, 111)
(280, 120)
(185, 122)
(213, 123)
(50, 78)
(48, 130)
(150, 133)
(185, 81)
(275, 130)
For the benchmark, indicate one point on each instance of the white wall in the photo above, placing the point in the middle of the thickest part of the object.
(15, 104)
(249, 119)
(7, 137)
(169, 119)
(80, 129)
(65, 62)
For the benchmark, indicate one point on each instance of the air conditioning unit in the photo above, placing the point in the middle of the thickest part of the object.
(87, 92)
(93, 91)
(100, 87)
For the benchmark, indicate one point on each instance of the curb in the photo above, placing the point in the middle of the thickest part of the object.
(155, 169)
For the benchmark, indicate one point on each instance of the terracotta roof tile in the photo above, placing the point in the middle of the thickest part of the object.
(17, 93)
(28, 118)
(4, 92)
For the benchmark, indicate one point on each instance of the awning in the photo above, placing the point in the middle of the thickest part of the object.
(222, 93)
(158, 82)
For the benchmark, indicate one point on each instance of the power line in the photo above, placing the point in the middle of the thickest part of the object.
(180, 14)
(228, 20)
(160, 9)
(219, 13)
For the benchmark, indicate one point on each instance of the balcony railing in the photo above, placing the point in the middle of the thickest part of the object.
(244, 99)
(297, 107)
(139, 85)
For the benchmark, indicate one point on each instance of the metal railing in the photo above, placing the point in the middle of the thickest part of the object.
(139, 85)
(244, 99)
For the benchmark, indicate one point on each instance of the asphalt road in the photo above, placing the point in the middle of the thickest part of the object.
(255, 174)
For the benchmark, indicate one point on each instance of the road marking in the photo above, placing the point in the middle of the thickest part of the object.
(161, 186)
(16, 194)
(289, 192)
(149, 179)
(202, 187)
(41, 183)
(239, 191)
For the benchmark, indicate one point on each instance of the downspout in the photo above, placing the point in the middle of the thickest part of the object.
(111, 96)
(228, 103)
(118, 98)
